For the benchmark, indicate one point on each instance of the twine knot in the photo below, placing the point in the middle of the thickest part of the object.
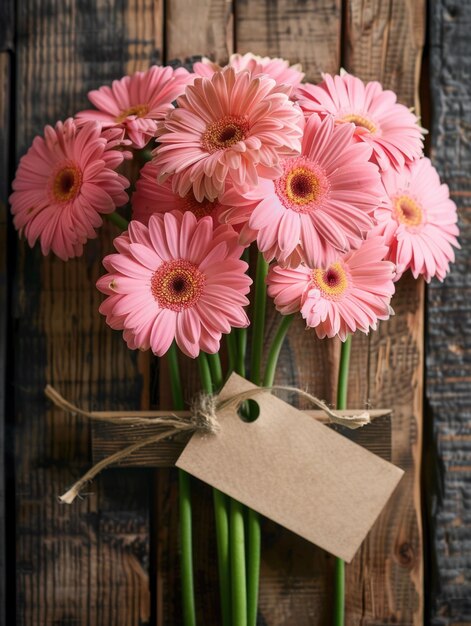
(203, 409)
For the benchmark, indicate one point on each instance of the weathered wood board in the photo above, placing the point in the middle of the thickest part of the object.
(6, 113)
(87, 564)
(112, 559)
(384, 41)
(447, 451)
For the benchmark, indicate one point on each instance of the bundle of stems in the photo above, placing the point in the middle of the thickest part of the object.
(238, 532)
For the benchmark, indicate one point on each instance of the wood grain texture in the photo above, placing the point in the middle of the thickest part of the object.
(384, 41)
(6, 492)
(205, 30)
(5, 463)
(303, 32)
(87, 564)
(108, 439)
(447, 471)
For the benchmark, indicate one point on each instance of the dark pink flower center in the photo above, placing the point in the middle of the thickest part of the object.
(177, 284)
(66, 183)
(225, 132)
(303, 185)
(332, 282)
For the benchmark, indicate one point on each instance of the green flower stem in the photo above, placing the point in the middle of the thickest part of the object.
(241, 345)
(253, 520)
(344, 367)
(220, 500)
(254, 535)
(275, 350)
(254, 542)
(342, 389)
(237, 556)
(118, 220)
(241, 336)
(231, 350)
(216, 371)
(260, 305)
(186, 539)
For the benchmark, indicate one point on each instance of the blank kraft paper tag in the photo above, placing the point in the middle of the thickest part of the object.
(293, 470)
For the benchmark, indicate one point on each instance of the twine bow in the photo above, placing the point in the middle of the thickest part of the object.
(202, 417)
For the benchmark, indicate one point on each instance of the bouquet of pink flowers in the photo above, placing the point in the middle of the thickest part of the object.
(328, 183)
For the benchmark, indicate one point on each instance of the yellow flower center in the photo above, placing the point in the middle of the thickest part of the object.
(177, 284)
(225, 132)
(332, 282)
(66, 183)
(139, 110)
(199, 209)
(302, 185)
(407, 211)
(361, 121)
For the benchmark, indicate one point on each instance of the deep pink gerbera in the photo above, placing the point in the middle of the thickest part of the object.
(136, 103)
(154, 197)
(350, 294)
(418, 221)
(177, 279)
(321, 204)
(64, 182)
(228, 126)
(390, 128)
(278, 69)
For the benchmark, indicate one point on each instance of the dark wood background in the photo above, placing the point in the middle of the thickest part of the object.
(111, 559)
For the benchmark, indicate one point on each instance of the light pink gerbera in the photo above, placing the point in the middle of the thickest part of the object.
(154, 197)
(278, 69)
(228, 126)
(136, 103)
(418, 221)
(390, 128)
(177, 279)
(350, 294)
(321, 204)
(64, 182)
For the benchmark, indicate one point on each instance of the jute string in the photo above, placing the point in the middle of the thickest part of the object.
(202, 417)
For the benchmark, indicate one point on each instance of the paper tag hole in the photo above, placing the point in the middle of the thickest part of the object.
(249, 410)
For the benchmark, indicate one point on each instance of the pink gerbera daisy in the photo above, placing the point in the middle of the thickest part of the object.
(320, 205)
(136, 103)
(278, 69)
(418, 221)
(177, 279)
(350, 294)
(154, 197)
(390, 128)
(228, 126)
(64, 182)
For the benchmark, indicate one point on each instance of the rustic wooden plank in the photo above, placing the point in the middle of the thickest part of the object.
(306, 33)
(87, 564)
(206, 30)
(6, 462)
(109, 438)
(447, 469)
(5, 112)
(384, 41)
